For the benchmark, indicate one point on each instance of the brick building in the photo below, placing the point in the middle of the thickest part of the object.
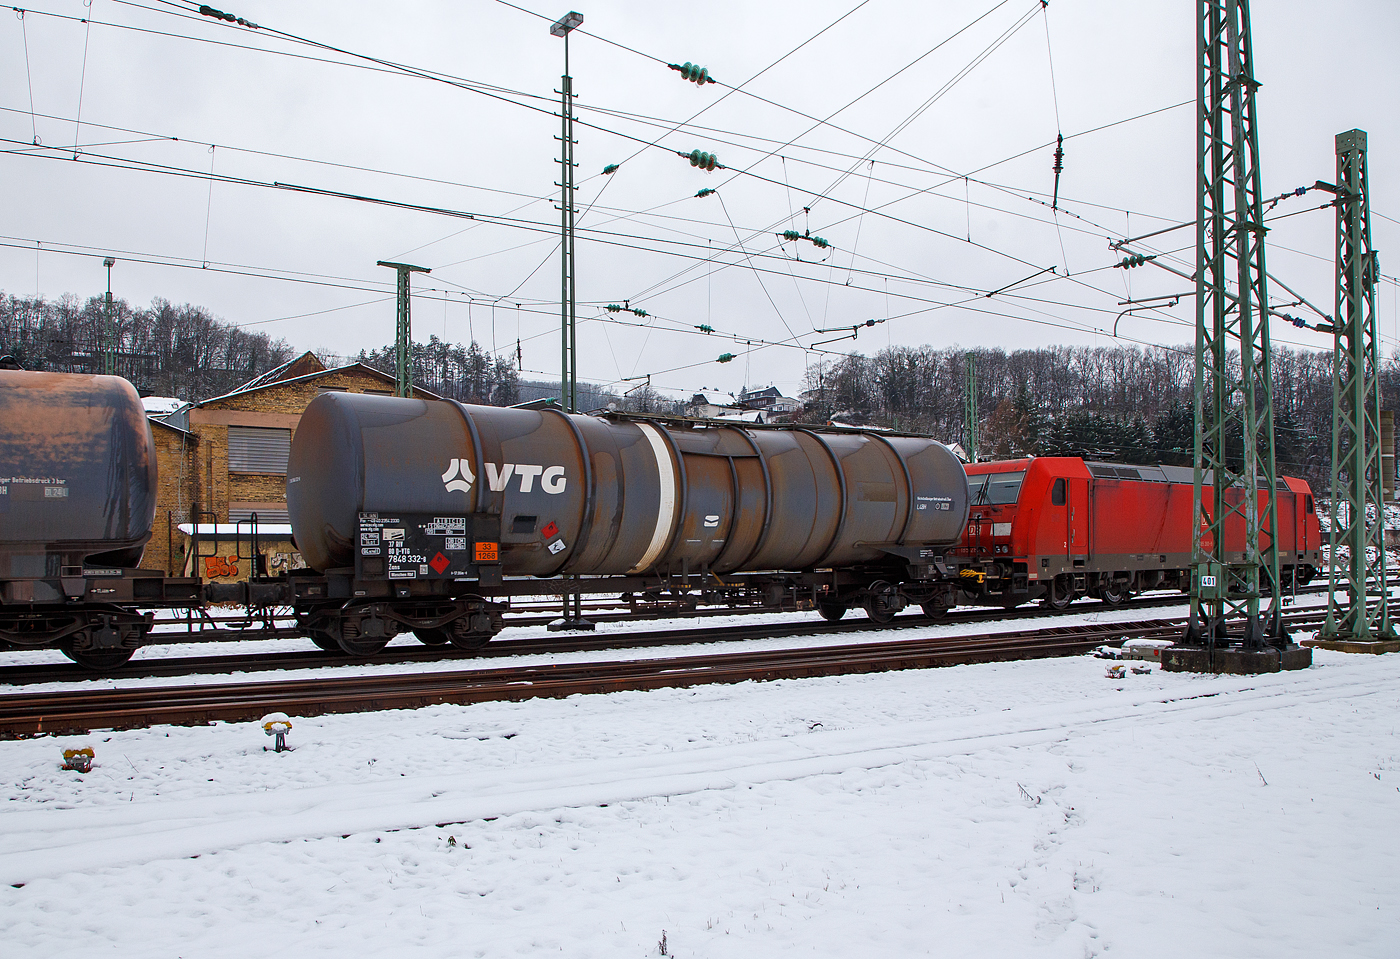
(231, 461)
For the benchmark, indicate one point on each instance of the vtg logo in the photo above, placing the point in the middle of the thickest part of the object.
(459, 477)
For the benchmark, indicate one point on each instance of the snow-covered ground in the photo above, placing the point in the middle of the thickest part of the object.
(1020, 809)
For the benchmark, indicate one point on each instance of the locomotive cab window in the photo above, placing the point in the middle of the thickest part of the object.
(996, 489)
(1057, 493)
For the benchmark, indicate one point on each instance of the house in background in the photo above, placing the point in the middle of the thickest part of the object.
(225, 458)
(707, 404)
(771, 401)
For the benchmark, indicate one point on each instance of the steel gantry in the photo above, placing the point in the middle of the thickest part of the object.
(1234, 439)
(1358, 517)
(403, 329)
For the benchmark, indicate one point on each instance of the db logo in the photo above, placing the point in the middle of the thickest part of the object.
(459, 477)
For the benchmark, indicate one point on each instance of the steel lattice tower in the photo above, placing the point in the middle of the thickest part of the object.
(1357, 513)
(403, 329)
(970, 404)
(1234, 404)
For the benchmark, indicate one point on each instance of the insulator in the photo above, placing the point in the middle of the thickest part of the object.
(693, 72)
(705, 328)
(819, 243)
(1137, 259)
(725, 357)
(872, 322)
(613, 308)
(641, 313)
(705, 192)
(790, 235)
(611, 168)
(703, 160)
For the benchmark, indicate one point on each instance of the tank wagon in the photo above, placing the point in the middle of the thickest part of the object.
(77, 497)
(1058, 528)
(429, 515)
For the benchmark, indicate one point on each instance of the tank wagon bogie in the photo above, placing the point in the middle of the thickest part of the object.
(429, 515)
(1058, 528)
(77, 498)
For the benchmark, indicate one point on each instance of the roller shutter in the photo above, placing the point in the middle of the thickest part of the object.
(266, 517)
(256, 449)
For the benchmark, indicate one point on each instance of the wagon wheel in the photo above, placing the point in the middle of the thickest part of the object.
(324, 640)
(99, 660)
(934, 609)
(432, 637)
(882, 602)
(831, 610)
(1059, 594)
(355, 642)
(462, 634)
(1114, 594)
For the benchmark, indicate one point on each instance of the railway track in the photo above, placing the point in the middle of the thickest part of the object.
(76, 711)
(409, 652)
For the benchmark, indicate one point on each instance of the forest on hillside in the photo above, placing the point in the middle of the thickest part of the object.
(1133, 404)
(163, 349)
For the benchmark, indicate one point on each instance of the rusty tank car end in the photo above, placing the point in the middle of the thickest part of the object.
(77, 497)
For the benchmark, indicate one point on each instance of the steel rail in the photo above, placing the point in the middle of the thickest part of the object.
(75, 711)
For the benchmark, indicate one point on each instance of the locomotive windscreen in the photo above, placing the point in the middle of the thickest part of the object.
(996, 489)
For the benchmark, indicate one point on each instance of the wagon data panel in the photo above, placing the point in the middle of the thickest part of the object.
(404, 546)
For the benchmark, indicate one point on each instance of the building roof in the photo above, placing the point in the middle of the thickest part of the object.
(308, 362)
(163, 405)
(289, 375)
(713, 398)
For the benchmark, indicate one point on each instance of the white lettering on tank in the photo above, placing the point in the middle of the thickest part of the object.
(553, 480)
(527, 474)
(498, 476)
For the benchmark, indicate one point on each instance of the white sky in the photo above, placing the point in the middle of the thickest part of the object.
(1321, 74)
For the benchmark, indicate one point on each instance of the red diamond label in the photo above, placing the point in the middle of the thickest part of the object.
(440, 563)
(550, 529)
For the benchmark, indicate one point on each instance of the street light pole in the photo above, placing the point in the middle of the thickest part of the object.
(568, 373)
(568, 300)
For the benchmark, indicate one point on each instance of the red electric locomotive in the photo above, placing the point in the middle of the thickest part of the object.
(1057, 528)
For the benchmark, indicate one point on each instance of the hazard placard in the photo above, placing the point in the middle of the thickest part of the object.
(487, 553)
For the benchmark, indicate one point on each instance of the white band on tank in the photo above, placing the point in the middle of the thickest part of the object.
(666, 509)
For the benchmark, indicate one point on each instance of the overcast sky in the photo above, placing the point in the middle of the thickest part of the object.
(937, 94)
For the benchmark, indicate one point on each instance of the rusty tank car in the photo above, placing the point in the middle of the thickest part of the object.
(77, 498)
(429, 515)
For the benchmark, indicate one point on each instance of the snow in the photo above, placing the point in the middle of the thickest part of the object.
(1016, 809)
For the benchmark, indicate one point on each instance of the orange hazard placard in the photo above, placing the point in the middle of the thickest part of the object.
(487, 553)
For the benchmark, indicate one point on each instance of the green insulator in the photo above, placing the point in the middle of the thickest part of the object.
(725, 357)
(705, 328)
(705, 192)
(820, 243)
(791, 235)
(611, 168)
(613, 308)
(641, 313)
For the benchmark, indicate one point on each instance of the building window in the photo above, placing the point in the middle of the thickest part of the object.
(256, 449)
